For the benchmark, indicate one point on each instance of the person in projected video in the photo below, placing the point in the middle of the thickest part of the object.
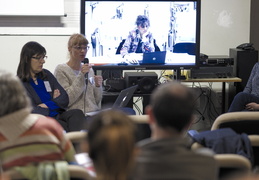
(140, 39)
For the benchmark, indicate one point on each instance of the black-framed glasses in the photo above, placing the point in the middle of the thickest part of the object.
(80, 48)
(39, 57)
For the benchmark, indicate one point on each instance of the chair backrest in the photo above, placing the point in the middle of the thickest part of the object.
(75, 171)
(185, 47)
(80, 172)
(230, 164)
(241, 122)
(254, 140)
(120, 46)
(139, 119)
(77, 138)
(143, 129)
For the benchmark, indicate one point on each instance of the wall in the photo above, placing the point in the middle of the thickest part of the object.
(224, 24)
(18, 7)
(50, 31)
(254, 28)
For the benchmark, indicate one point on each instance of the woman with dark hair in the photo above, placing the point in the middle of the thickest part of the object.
(140, 39)
(47, 96)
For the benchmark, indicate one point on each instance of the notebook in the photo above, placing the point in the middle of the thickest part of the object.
(157, 57)
(121, 101)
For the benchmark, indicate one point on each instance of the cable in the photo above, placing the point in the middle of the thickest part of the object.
(136, 106)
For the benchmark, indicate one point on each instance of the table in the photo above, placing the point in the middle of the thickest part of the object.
(222, 80)
(110, 97)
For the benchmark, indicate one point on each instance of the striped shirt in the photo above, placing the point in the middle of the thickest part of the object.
(30, 138)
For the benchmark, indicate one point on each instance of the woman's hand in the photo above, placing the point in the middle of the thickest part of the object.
(98, 80)
(252, 106)
(85, 68)
(56, 93)
(43, 105)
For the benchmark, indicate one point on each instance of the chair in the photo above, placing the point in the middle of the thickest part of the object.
(241, 122)
(185, 47)
(143, 129)
(120, 46)
(231, 164)
(254, 140)
(75, 171)
(76, 137)
(123, 41)
(139, 119)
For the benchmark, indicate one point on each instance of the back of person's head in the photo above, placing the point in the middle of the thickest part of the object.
(77, 40)
(13, 96)
(29, 50)
(142, 21)
(111, 141)
(172, 105)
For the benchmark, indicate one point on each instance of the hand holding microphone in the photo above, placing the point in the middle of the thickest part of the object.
(85, 69)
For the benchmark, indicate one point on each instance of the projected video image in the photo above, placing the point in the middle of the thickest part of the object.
(112, 27)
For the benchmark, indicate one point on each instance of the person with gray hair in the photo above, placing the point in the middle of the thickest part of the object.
(12, 95)
(27, 138)
(166, 154)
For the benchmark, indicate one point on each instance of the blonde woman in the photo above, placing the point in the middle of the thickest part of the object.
(83, 87)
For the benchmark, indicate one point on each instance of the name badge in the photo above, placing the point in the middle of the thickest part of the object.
(47, 86)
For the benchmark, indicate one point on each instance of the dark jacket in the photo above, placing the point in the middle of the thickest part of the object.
(61, 101)
(226, 140)
(170, 159)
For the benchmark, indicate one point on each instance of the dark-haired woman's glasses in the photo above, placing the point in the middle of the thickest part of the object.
(40, 57)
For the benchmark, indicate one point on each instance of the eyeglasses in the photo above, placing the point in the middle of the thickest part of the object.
(80, 48)
(40, 57)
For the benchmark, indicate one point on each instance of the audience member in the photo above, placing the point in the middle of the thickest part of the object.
(27, 138)
(47, 95)
(140, 39)
(111, 141)
(165, 155)
(248, 100)
(82, 86)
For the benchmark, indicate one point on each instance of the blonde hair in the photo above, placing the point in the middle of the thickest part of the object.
(111, 138)
(77, 39)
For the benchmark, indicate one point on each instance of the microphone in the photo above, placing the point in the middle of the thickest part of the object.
(86, 61)
(137, 36)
